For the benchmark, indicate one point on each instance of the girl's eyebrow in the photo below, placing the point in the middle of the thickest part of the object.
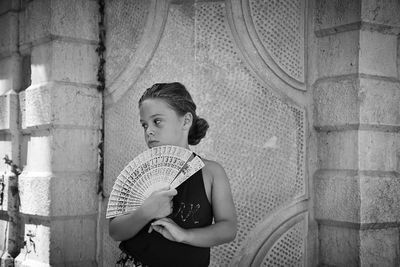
(154, 115)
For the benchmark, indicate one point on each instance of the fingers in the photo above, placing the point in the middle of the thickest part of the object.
(172, 192)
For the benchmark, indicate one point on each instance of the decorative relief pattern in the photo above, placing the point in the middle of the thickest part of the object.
(280, 27)
(255, 133)
(288, 250)
(125, 24)
(258, 137)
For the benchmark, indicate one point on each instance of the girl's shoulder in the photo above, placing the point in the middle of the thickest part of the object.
(213, 169)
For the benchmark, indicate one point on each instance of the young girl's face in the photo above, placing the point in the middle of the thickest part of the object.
(161, 124)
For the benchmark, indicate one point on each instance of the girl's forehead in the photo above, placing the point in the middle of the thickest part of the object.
(154, 106)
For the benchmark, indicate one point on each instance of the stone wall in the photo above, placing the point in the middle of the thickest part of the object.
(50, 128)
(357, 119)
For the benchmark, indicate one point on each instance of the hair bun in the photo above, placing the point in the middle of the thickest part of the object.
(197, 131)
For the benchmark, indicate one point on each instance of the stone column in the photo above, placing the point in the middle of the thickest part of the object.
(61, 120)
(10, 84)
(357, 117)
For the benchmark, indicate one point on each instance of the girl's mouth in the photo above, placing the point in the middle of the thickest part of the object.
(152, 143)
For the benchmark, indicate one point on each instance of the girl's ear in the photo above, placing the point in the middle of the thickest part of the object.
(187, 121)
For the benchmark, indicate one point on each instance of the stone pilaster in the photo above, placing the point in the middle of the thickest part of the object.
(61, 120)
(10, 84)
(357, 118)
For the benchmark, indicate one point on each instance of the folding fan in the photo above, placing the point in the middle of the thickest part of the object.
(152, 170)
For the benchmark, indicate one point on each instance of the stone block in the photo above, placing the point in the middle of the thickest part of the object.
(380, 198)
(75, 18)
(37, 239)
(35, 193)
(336, 102)
(3, 229)
(379, 151)
(379, 102)
(338, 54)
(8, 33)
(58, 194)
(330, 14)
(59, 242)
(10, 74)
(62, 104)
(63, 150)
(9, 111)
(338, 150)
(5, 149)
(64, 61)
(7, 5)
(339, 246)
(358, 100)
(379, 247)
(75, 150)
(381, 12)
(4, 112)
(378, 53)
(337, 196)
(35, 21)
(74, 240)
(44, 18)
(36, 106)
(22, 108)
(39, 152)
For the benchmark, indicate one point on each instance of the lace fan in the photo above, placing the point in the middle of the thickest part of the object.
(151, 170)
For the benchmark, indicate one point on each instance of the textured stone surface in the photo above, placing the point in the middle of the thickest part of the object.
(380, 199)
(336, 102)
(357, 100)
(338, 150)
(338, 54)
(59, 241)
(378, 54)
(337, 196)
(61, 104)
(379, 102)
(4, 112)
(7, 5)
(9, 32)
(5, 149)
(58, 194)
(42, 18)
(63, 150)
(354, 247)
(75, 18)
(378, 151)
(384, 12)
(10, 74)
(35, 21)
(330, 13)
(3, 230)
(380, 247)
(63, 61)
(339, 246)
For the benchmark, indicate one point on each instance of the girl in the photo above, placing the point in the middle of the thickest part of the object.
(175, 227)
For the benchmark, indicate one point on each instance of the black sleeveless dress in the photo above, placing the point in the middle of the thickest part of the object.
(191, 210)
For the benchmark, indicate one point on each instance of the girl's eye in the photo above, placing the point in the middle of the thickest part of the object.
(157, 121)
(144, 126)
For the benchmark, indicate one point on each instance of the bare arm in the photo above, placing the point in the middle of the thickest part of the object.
(225, 226)
(158, 205)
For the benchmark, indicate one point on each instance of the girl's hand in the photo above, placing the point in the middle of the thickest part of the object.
(159, 203)
(169, 229)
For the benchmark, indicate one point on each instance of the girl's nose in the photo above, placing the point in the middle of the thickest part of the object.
(150, 131)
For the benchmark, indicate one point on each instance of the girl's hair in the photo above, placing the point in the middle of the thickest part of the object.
(179, 99)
